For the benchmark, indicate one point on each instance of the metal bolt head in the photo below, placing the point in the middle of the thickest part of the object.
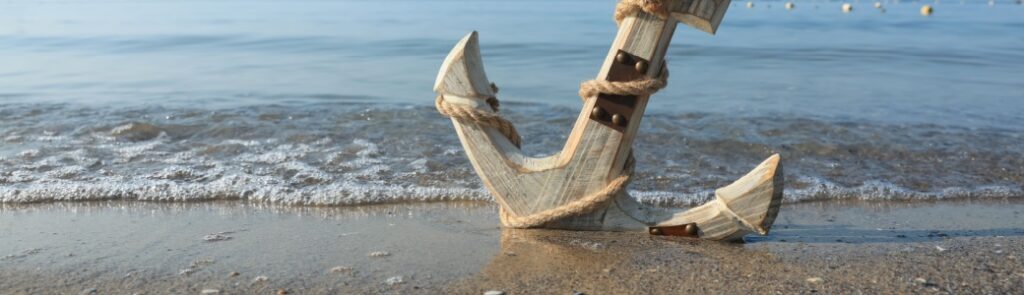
(641, 66)
(618, 120)
(621, 57)
(691, 229)
(656, 231)
(597, 112)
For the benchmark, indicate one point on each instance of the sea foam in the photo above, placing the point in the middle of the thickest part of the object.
(352, 155)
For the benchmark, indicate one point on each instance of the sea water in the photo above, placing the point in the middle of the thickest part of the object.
(330, 102)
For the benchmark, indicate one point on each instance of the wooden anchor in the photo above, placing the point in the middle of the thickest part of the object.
(583, 186)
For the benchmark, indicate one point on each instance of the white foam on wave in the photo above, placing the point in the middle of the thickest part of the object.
(333, 157)
(163, 187)
(234, 187)
(817, 189)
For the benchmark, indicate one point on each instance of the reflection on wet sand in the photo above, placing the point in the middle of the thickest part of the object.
(607, 263)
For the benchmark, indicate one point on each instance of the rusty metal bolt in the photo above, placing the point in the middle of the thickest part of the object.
(597, 112)
(622, 58)
(641, 66)
(691, 230)
(618, 120)
(656, 231)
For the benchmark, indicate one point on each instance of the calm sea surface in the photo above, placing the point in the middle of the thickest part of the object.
(330, 102)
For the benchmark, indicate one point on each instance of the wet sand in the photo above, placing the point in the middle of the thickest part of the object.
(235, 247)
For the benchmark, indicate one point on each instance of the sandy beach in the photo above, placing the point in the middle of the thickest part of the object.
(458, 248)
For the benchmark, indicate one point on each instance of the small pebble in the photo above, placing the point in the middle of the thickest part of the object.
(215, 238)
(258, 279)
(210, 291)
(341, 269)
(494, 293)
(282, 292)
(395, 280)
(815, 280)
(920, 280)
(233, 274)
(88, 291)
(379, 254)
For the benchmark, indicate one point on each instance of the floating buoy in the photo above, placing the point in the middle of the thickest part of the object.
(926, 10)
(847, 7)
(750, 4)
(790, 5)
(878, 4)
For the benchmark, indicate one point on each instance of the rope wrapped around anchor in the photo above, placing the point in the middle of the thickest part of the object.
(588, 89)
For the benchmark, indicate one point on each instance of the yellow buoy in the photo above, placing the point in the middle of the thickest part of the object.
(790, 5)
(878, 4)
(750, 4)
(847, 7)
(926, 10)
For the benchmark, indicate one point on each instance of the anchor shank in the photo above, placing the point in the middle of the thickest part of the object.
(644, 39)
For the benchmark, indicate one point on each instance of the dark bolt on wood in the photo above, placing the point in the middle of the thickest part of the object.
(618, 120)
(622, 58)
(597, 112)
(641, 66)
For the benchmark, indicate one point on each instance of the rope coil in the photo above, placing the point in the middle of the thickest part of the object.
(588, 89)
(468, 114)
(631, 7)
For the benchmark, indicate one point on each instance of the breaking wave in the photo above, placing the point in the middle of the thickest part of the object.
(350, 154)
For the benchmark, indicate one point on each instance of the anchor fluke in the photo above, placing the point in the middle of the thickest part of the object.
(462, 73)
(756, 197)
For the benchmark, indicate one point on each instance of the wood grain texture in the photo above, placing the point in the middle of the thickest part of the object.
(594, 153)
(704, 15)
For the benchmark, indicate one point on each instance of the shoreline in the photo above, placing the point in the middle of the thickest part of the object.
(972, 246)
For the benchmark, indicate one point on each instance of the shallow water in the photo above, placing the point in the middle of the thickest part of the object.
(329, 102)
